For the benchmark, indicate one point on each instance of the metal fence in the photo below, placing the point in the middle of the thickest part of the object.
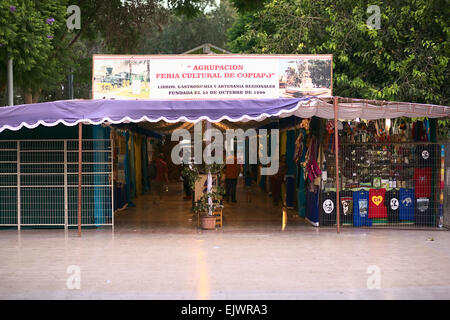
(446, 187)
(39, 183)
(386, 185)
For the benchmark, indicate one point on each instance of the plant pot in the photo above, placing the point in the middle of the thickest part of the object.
(208, 222)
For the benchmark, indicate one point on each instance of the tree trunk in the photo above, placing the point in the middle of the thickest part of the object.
(36, 96)
(28, 96)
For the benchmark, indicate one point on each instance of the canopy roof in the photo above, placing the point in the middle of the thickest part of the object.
(72, 112)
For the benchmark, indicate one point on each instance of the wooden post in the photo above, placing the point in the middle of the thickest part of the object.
(80, 161)
(336, 150)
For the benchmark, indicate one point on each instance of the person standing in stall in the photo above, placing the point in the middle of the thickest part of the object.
(277, 179)
(232, 171)
(186, 187)
(161, 178)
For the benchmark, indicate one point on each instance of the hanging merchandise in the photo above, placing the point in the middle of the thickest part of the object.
(132, 164)
(305, 124)
(406, 204)
(291, 169)
(138, 164)
(312, 168)
(300, 153)
(392, 204)
(427, 136)
(328, 208)
(423, 214)
(312, 207)
(425, 155)
(377, 209)
(361, 209)
(300, 146)
(128, 173)
(346, 207)
(422, 182)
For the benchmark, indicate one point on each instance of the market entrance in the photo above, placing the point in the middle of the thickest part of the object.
(254, 205)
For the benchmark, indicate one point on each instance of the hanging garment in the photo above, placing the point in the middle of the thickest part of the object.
(392, 203)
(346, 207)
(423, 214)
(377, 209)
(133, 166)
(312, 207)
(425, 155)
(328, 208)
(300, 143)
(145, 182)
(300, 154)
(361, 209)
(422, 182)
(427, 136)
(291, 169)
(127, 167)
(406, 204)
(312, 167)
(138, 164)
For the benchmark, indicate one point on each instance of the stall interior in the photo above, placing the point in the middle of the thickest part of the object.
(390, 170)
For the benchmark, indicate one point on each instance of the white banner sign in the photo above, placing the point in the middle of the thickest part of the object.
(186, 77)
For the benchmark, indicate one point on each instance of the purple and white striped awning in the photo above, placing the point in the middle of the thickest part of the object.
(72, 112)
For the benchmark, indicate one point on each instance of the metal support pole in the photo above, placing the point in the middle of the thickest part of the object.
(70, 85)
(19, 197)
(112, 177)
(80, 160)
(336, 150)
(66, 194)
(10, 83)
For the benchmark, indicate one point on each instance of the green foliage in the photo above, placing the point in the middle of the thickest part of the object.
(44, 54)
(192, 172)
(248, 5)
(27, 38)
(406, 60)
(183, 33)
(204, 207)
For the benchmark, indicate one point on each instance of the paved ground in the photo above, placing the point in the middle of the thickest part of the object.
(156, 253)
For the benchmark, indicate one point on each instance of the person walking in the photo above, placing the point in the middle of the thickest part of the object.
(187, 187)
(232, 171)
(248, 181)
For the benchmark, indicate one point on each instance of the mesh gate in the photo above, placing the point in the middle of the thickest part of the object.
(39, 183)
(386, 185)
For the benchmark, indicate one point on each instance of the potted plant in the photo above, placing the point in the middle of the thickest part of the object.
(209, 202)
(206, 208)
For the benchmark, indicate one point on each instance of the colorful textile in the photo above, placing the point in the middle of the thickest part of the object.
(422, 182)
(377, 209)
(406, 204)
(361, 209)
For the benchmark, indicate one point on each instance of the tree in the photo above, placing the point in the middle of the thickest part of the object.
(183, 33)
(407, 59)
(35, 35)
(27, 32)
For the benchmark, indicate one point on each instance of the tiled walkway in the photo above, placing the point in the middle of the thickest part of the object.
(156, 253)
